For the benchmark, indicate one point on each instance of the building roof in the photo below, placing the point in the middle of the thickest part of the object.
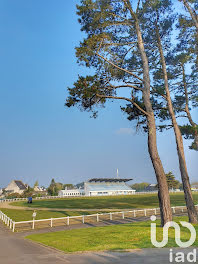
(108, 180)
(72, 190)
(108, 187)
(21, 185)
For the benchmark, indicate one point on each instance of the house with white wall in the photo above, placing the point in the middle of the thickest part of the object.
(16, 186)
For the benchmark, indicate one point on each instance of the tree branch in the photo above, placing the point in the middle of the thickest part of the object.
(123, 98)
(192, 13)
(125, 86)
(120, 44)
(138, 6)
(155, 91)
(116, 66)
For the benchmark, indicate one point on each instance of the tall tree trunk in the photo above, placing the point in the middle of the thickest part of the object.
(192, 12)
(187, 110)
(192, 213)
(163, 192)
(195, 21)
(164, 198)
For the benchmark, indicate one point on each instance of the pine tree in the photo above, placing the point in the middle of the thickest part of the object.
(172, 182)
(36, 184)
(115, 49)
(158, 15)
(188, 42)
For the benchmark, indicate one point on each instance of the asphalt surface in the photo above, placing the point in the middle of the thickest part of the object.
(14, 249)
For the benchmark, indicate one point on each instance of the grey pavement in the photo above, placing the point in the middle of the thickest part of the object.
(14, 249)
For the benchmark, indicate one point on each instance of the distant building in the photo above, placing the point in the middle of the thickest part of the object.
(39, 189)
(72, 192)
(16, 187)
(194, 189)
(151, 188)
(107, 186)
(100, 186)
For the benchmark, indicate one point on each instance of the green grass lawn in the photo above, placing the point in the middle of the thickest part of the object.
(115, 237)
(26, 215)
(110, 202)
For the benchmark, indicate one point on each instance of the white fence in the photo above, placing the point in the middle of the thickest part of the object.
(71, 196)
(68, 220)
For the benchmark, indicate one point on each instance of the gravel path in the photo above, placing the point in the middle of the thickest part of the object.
(7, 205)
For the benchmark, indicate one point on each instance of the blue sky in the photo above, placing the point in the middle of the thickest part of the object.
(40, 139)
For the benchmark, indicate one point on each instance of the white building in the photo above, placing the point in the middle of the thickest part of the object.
(73, 192)
(39, 189)
(100, 186)
(107, 186)
(16, 187)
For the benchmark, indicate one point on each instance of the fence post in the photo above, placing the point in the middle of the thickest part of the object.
(10, 223)
(110, 216)
(83, 219)
(134, 213)
(33, 224)
(51, 222)
(97, 217)
(155, 211)
(145, 212)
(173, 210)
(13, 227)
(122, 215)
(68, 220)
